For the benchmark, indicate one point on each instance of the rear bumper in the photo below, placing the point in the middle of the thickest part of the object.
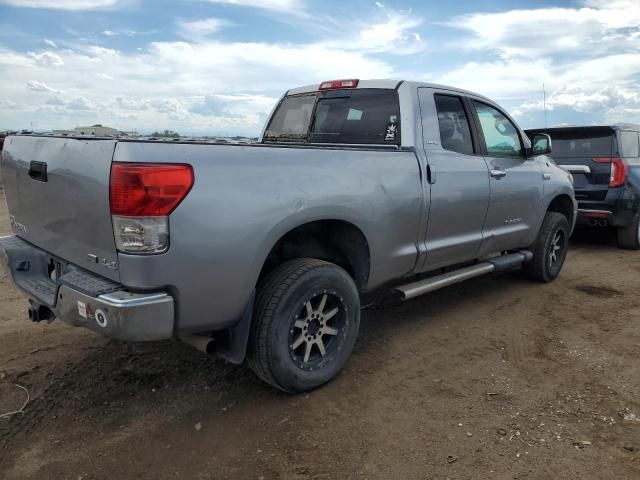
(616, 210)
(83, 299)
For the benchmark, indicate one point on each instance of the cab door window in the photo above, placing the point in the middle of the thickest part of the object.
(501, 137)
(455, 134)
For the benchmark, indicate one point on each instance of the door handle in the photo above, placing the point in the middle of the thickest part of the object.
(495, 173)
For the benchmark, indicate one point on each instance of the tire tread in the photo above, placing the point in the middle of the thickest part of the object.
(270, 294)
(536, 269)
(628, 236)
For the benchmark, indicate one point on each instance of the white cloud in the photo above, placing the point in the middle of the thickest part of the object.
(540, 31)
(10, 105)
(244, 77)
(125, 33)
(50, 43)
(55, 101)
(289, 6)
(80, 103)
(63, 4)
(37, 86)
(587, 57)
(199, 29)
(47, 59)
(395, 32)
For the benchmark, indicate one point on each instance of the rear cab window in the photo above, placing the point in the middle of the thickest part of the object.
(364, 116)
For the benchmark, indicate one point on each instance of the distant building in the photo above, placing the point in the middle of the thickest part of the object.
(64, 133)
(97, 131)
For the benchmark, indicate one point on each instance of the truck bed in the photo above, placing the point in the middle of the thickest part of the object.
(244, 199)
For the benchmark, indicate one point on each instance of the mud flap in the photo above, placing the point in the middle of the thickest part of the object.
(232, 343)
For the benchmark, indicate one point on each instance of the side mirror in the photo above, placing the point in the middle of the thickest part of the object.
(541, 144)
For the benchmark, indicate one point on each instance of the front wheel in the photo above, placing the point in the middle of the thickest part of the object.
(629, 236)
(550, 248)
(305, 326)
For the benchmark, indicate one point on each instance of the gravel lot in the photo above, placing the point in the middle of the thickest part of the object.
(495, 378)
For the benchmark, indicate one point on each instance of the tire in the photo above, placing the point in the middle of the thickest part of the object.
(629, 236)
(305, 325)
(550, 248)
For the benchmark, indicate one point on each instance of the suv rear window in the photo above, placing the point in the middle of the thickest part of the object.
(360, 116)
(590, 143)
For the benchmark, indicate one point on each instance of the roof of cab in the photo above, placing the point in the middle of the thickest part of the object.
(386, 83)
(613, 126)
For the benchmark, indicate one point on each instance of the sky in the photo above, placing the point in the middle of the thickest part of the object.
(217, 67)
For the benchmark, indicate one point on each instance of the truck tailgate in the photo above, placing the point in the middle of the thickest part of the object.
(57, 191)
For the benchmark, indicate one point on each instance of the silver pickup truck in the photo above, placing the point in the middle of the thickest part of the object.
(267, 251)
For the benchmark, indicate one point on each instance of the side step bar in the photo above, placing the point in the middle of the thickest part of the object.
(497, 264)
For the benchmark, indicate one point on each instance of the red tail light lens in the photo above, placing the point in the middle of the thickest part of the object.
(148, 189)
(619, 170)
(332, 84)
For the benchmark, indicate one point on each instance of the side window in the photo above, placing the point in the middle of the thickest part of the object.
(500, 135)
(629, 143)
(455, 134)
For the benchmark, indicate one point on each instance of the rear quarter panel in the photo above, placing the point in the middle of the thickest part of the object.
(245, 198)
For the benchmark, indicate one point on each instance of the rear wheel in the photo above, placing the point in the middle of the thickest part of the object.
(629, 236)
(305, 326)
(550, 249)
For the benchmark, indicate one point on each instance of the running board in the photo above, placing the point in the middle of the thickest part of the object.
(496, 264)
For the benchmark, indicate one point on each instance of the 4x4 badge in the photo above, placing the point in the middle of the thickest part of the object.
(17, 226)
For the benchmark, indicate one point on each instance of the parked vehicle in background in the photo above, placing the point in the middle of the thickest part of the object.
(270, 249)
(605, 163)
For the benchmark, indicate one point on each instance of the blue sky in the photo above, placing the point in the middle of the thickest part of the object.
(218, 66)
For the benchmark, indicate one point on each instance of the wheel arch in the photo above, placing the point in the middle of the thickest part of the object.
(564, 204)
(334, 240)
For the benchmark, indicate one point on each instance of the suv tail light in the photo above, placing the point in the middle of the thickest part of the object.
(619, 170)
(142, 196)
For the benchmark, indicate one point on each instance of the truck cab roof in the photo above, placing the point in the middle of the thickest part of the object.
(612, 126)
(391, 84)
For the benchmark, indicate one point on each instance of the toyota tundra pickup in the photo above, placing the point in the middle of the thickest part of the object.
(267, 251)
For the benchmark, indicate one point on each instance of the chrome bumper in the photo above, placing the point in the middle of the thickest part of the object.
(83, 299)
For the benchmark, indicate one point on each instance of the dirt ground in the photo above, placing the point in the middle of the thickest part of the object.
(497, 378)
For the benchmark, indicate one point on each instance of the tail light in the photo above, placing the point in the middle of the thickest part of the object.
(333, 84)
(619, 170)
(142, 196)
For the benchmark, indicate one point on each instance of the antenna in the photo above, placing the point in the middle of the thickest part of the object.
(544, 105)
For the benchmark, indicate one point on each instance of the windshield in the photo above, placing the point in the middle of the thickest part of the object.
(361, 116)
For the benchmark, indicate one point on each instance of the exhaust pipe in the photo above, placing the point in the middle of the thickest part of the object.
(200, 342)
(602, 223)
